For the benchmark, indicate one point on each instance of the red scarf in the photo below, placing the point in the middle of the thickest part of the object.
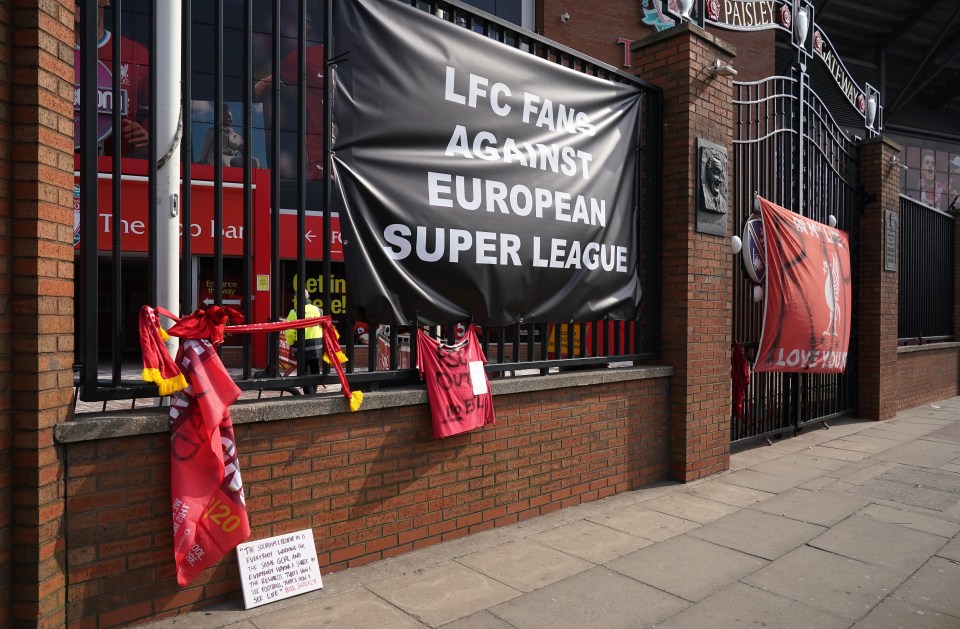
(209, 511)
(211, 324)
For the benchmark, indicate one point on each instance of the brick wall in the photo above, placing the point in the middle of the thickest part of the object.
(371, 485)
(696, 269)
(595, 27)
(6, 437)
(40, 299)
(925, 375)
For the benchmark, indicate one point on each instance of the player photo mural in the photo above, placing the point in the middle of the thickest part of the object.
(478, 180)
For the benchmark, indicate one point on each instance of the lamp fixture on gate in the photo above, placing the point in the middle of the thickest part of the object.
(719, 68)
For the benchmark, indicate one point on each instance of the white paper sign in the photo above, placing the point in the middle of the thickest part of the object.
(477, 377)
(276, 568)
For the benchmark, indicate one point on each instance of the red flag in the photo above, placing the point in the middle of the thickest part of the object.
(806, 317)
(209, 512)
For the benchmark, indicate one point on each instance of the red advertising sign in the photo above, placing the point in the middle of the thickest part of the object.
(806, 319)
(312, 235)
(134, 213)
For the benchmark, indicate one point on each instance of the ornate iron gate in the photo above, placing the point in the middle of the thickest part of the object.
(789, 149)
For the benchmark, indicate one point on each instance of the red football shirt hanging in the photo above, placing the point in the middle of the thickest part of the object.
(457, 386)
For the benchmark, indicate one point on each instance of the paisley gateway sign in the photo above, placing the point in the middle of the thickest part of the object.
(753, 15)
(823, 48)
(746, 15)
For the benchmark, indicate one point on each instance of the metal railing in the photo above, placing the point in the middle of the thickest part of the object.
(926, 265)
(789, 149)
(236, 250)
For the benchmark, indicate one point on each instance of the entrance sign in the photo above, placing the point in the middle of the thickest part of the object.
(745, 15)
(278, 567)
(755, 15)
(841, 76)
(479, 180)
(806, 315)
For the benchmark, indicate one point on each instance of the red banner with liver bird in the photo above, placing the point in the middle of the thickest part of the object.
(807, 306)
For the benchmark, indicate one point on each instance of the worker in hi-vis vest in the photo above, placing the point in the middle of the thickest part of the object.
(313, 338)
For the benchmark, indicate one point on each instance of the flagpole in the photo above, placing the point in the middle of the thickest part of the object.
(169, 130)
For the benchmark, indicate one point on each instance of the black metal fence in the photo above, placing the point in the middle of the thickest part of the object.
(790, 150)
(926, 265)
(254, 196)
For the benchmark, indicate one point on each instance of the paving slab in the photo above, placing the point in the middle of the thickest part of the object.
(941, 418)
(922, 453)
(596, 598)
(867, 438)
(443, 593)
(644, 522)
(817, 483)
(885, 432)
(841, 454)
(949, 433)
(906, 427)
(851, 467)
(808, 459)
(591, 541)
(939, 480)
(951, 467)
(770, 483)
(880, 543)
(936, 585)
(951, 550)
(893, 612)
(825, 508)
(210, 618)
(860, 445)
(733, 495)
(742, 605)
(906, 494)
(480, 620)
(844, 587)
(862, 475)
(911, 520)
(542, 565)
(687, 567)
(760, 534)
(689, 507)
(789, 469)
(355, 608)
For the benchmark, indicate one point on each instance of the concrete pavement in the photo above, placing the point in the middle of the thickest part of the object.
(855, 525)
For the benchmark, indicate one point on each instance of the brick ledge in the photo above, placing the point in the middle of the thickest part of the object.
(906, 349)
(95, 426)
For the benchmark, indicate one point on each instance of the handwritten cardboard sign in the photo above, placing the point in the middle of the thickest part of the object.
(279, 567)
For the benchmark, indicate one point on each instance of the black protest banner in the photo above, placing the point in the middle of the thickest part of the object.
(478, 180)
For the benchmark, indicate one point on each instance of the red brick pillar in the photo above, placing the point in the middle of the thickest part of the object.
(39, 300)
(878, 288)
(697, 268)
(6, 438)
